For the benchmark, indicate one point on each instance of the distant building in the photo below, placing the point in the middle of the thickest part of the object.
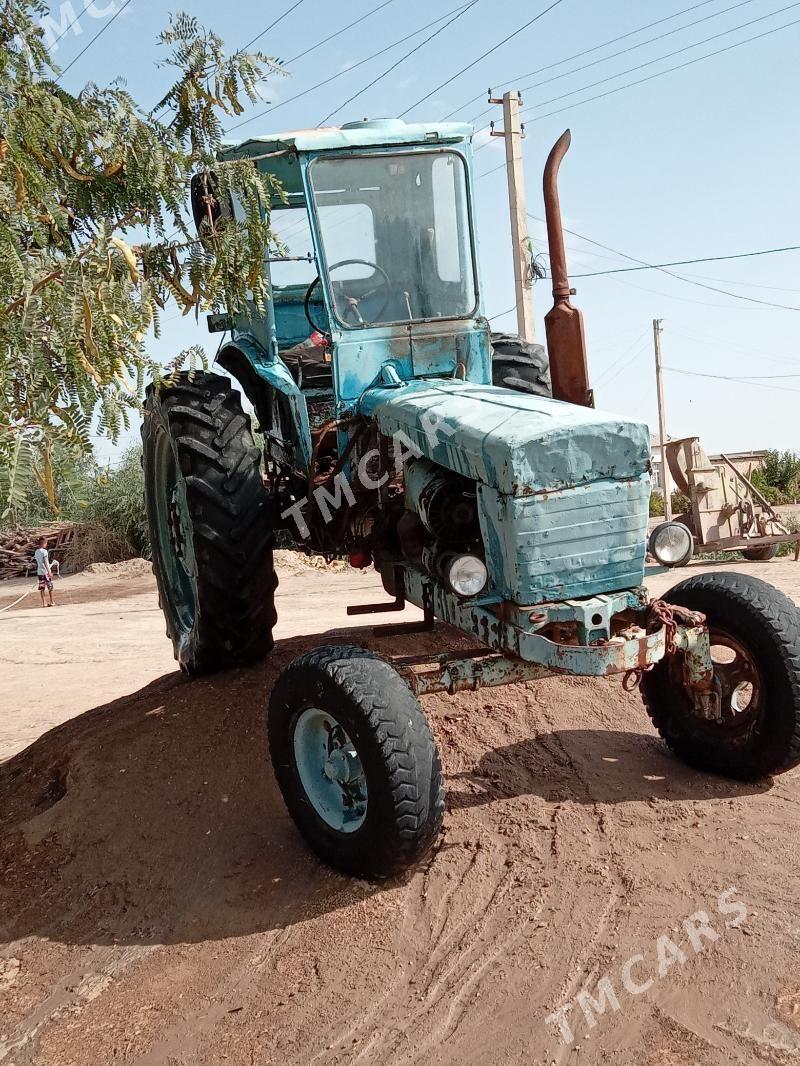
(745, 462)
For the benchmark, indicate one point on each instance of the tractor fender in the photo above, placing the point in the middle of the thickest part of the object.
(258, 372)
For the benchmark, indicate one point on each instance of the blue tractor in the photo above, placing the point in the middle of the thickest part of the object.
(400, 432)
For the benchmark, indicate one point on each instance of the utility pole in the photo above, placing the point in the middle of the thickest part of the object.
(666, 482)
(513, 132)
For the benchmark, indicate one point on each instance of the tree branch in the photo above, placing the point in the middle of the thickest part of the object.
(55, 275)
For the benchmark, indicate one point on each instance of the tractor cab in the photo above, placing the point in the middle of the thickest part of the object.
(375, 256)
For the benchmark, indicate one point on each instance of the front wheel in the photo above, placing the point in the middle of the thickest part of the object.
(356, 761)
(755, 649)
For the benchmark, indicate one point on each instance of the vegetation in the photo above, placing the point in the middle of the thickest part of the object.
(779, 477)
(680, 504)
(93, 189)
(115, 502)
(107, 502)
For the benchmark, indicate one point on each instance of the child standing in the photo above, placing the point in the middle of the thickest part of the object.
(44, 572)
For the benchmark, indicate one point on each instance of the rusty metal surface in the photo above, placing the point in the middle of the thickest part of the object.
(615, 656)
(467, 674)
(738, 543)
(570, 543)
(698, 669)
(566, 343)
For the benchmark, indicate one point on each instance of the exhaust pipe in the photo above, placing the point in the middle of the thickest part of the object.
(566, 343)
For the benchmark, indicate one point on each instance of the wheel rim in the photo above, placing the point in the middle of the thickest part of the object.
(739, 681)
(174, 534)
(739, 684)
(330, 770)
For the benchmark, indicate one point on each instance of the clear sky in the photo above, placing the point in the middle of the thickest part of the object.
(700, 162)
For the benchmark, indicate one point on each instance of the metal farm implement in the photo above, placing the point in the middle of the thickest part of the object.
(726, 511)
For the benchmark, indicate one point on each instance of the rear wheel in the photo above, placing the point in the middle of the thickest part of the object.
(762, 554)
(755, 648)
(356, 761)
(209, 530)
(520, 365)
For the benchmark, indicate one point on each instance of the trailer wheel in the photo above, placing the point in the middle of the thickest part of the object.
(520, 365)
(209, 529)
(755, 646)
(762, 554)
(356, 761)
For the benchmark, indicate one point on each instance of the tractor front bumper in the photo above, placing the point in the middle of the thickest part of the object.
(620, 633)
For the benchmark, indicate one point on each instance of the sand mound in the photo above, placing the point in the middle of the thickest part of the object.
(128, 568)
(292, 562)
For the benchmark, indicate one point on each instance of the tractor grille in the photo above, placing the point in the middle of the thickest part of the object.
(563, 545)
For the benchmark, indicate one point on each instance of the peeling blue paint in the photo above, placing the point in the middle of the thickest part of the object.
(275, 372)
(562, 490)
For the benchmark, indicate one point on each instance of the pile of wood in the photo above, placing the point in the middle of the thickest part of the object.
(18, 545)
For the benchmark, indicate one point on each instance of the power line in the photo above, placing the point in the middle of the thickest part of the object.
(661, 73)
(89, 43)
(71, 24)
(752, 284)
(605, 382)
(725, 377)
(683, 299)
(372, 11)
(638, 344)
(658, 74)
(631, 48)
(668, 55)
(735, 377)
(347, 70)
(695, 337)
(688, 281)
(501, 313)
(402, 59)
(488, 52)
(687, 262)
(272, 25)
(579, 55)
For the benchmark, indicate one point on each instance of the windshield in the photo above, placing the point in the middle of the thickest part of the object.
(396, 236)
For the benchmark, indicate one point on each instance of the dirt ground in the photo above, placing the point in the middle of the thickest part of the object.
(157, 907)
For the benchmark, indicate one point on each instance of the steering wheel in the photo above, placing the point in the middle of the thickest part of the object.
(383, 287)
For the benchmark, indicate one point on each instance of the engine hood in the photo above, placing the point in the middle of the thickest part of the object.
(518, 444)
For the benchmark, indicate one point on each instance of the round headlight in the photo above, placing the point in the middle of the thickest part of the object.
(467, 575)
(671, 543)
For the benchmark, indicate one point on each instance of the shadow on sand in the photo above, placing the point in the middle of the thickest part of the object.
(155, 818)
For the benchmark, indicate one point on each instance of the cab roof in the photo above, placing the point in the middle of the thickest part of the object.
(363, 134)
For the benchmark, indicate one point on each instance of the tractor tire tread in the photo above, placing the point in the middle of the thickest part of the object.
(520, 365)
(407, 749)
(760, 608)
(233, 541)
